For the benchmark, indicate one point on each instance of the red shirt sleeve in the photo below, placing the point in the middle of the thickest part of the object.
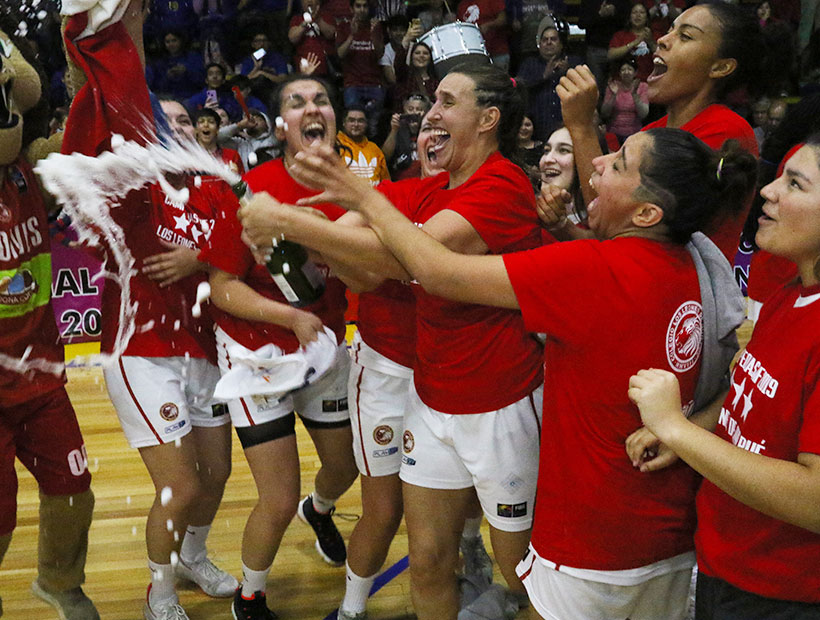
(225, 249)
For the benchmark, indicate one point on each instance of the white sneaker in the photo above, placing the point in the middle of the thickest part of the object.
(163, 610)
(476, 559)
(213, 580)
(346, 615)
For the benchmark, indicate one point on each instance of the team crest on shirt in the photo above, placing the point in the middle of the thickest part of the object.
(169, 412)
(408, 441)
(5, 214)
(383, 435)
(684, 336)
(18, 289)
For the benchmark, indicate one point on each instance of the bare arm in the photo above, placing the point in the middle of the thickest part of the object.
(781, 489)
(579, 96)
(233, 296)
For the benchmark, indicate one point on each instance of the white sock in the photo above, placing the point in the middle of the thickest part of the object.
(472, 527)
(253, 580)
(322, 505)
(357, 590)
(193, 544)
(162, 582)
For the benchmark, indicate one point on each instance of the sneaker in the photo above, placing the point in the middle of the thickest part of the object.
(70, 605)
(251, 609)
(329, 542)
(213, 580)
(476, 559)
(346, 615)
(163, 610)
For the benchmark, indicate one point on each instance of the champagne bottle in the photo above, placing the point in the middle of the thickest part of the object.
(294, 273)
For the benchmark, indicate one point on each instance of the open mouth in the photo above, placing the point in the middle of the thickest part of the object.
(550, 173)
(313, 133)
(658, 69)
(8, 119)
(438, 139)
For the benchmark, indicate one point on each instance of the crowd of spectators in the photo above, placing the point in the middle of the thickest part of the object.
(199, 50)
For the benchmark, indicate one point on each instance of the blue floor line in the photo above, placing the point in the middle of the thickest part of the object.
(381, 581)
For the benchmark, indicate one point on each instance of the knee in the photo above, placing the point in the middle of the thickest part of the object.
(279, 506)
(179, 495)
(430, 561)
(214, 476)
(387, 513)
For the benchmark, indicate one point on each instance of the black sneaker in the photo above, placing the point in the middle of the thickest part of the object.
(329, 542)
(251, 609)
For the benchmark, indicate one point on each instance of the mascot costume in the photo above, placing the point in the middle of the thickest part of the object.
(37, 422)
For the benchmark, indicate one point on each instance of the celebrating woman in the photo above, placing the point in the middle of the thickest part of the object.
(472, 421)
(758, 536)
(607, 541)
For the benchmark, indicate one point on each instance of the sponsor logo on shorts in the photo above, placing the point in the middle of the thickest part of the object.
(408, 441)
(219, 409)
(386, 452)
(174, 427)
(407, 460)
(684, 336)
(334, 405)
(383, 434)
(169, 412)
(512, 510)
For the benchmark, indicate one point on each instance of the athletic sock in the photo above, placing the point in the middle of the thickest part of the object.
(322, 505)
(193, 544)
(253, 580)
(472, 527)
(357, 590)
(162, 582)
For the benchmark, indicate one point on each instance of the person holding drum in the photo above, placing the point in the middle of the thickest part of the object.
(473, 422)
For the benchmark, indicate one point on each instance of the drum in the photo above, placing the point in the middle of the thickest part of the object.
(455, 43)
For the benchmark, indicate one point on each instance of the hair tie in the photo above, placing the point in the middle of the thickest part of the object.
(514, 83)
(719, 168)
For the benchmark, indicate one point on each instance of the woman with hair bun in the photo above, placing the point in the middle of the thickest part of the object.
(608, 541)
(711, 50)
(758, 536)
(473, 420)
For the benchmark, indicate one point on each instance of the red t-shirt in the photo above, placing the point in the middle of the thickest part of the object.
(227, 251)
(232, 158)
(624, 37)
(480, 12)
(148, 218)
(609, 308)
(360, 67)
(26, 316)
(387, 315)
(773, 409)
(312, 41)
(714, 126)
(470, 358)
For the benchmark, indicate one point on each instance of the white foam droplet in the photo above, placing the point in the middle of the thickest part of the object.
(41, 15)
(203, 292)
(252, 159)
(176, 539)
(303, 63)
(197, 181)
(286, 268)
(280, 122)
(184, 195)
(71, 501)
(134, 530)
(116, 141)
(165, 495)
(169, 524)
(274, 242)
(177, 442)
(128, 500)
(174, 558)
(176, 325)
(307, 17)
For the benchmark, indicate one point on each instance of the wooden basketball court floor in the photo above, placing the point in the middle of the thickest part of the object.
(300, 587)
